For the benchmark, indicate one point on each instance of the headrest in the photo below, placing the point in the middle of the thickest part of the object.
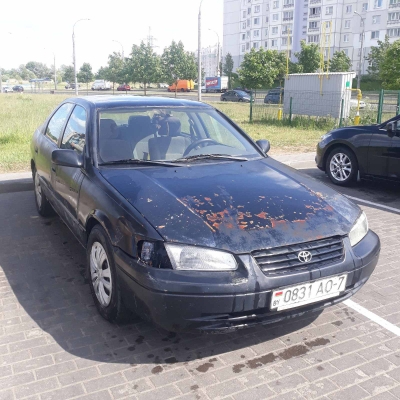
(108, 129)
(170, 126)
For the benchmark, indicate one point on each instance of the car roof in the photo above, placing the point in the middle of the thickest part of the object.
(109, 101)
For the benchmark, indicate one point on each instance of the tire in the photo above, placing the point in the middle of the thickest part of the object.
(182, 90)
(107, 293)
(43, 205)
(342, 166)
(240, 100)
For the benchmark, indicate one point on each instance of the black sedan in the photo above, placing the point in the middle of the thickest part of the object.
(236, 95)
(371, 151)
(18, 88)
(187, 222)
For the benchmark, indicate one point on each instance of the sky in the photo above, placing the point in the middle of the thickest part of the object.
(44, 27)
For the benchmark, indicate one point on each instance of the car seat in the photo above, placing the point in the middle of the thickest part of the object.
(111, 147)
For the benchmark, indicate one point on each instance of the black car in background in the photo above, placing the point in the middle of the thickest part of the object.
(188, 222)
(274, 96)
(370, 151)
(236, 95)
(18, 88)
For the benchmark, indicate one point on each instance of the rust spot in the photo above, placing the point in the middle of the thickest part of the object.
(276, 223)
(262, 215)
(207, 199)
(216, 225)
(161, 227)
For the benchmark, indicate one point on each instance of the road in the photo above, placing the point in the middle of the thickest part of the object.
(54, 345)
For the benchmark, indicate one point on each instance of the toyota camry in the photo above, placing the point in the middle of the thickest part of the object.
(188, 222)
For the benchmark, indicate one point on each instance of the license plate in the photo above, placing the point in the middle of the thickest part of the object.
(306, 293)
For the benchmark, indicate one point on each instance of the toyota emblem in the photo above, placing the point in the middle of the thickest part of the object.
(304, 256)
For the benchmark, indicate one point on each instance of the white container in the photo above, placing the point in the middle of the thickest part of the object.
(318, 94)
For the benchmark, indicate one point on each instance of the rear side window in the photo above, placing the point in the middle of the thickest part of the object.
(57, 122)
(75, 132)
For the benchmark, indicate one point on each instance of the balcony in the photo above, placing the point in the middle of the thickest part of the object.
(394, 5)
(313, 29)
(288, 5)
(288, 19)
(394, 22)
(315, 1)
(313, 16)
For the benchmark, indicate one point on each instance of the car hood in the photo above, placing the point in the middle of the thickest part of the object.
(239, 207)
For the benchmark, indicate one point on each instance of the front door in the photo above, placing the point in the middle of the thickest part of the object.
(394, 155)
(378, 153)
(69, 180)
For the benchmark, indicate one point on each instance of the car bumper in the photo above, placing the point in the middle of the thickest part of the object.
(176, 310)
(319, 156)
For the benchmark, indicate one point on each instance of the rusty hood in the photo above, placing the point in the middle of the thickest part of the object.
(236, 206)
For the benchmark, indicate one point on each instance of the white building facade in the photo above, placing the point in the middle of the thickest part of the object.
(209, 59)
(333, 24)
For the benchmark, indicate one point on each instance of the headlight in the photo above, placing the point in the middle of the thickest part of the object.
(191, 258)
(359, 230)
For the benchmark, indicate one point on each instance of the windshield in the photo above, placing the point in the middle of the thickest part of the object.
(242, 93)
(169, 134)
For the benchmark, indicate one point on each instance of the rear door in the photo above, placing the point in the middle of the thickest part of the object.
(394, 155)
(48, 142)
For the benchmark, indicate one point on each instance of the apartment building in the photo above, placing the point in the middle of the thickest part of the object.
(209, 59)
(333, 24)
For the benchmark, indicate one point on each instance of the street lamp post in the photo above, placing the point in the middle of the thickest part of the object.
(55, 71)
(122, 48)
(218, 69)
(199, 56)
(73, 53)
(361, 50)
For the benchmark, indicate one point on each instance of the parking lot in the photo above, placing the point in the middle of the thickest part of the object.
(54, 345)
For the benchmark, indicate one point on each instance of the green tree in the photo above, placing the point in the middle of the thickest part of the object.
(85, 74)
(178, 64)
(115, 72)
(228, 69)
(340, 62)
(39, 69)
(101, 73)
(376, 56)
(308, 57)
(143, 66)
(67, 73)
(389, 67)
(258, 69)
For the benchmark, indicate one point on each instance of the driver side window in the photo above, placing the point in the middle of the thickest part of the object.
(75, 132)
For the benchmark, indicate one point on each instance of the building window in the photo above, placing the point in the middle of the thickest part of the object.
(345, 38)
(243, 47)
(376, 19)
(327, 38)
(394, 32)
(275, 17)
(244, 26)
(375, 35)
(394, 16)
(257, 9)
(256, 21)
(256, 33)
(360, 37)
(248, 11)
(394, 1)
(347, 23)
(255, 45)
(243, 36)
(315, 10)
(346, 51)
(365, 6)
(247, 46)
(377, 3)
(288, 15)
(285, 41)
(313, 39)
(275, 4)
(313, 25)
(244, 14)
(286, 29)
(266, 44)
(327, 24)
(266, 32)
(288, 3)
(274, 43)
(329, 10)
(274, 30)
(266, 19)
(349, 9)
(248, 34)
(325, 53)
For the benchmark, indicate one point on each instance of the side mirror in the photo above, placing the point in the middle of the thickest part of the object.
(264, 145)
(67, 158)
(391, 129)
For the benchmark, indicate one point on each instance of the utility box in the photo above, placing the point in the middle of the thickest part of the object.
(318, 94)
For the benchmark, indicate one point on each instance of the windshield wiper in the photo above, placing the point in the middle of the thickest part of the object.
(211, 157)
(140, 162)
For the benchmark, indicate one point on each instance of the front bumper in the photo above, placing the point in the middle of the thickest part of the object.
(225, 307)
(319, 157)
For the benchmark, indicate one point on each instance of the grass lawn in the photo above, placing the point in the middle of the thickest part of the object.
(21, 114)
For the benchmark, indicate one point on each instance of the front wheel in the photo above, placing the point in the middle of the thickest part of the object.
(102, 275)
(342, 166)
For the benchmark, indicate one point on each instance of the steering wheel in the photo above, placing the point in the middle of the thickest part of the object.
(197, 143)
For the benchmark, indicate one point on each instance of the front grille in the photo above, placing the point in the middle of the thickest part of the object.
(282, 260)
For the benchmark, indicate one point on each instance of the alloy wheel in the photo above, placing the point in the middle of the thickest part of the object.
(340, 167)
(100, 274)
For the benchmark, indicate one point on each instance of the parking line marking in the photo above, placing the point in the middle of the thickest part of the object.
(373, 317)
(374, 204)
